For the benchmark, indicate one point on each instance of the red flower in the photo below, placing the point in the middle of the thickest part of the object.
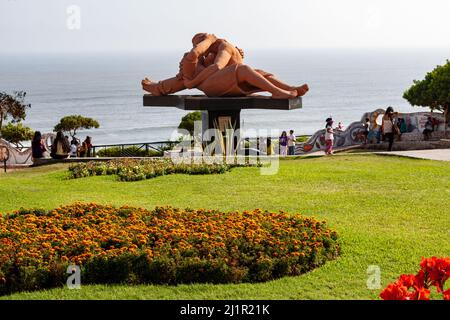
(394, 292)
(407, 280)
(433, 272)
(421, 294)
(446, 294)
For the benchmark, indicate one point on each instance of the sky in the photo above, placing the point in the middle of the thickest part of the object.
(55, 26)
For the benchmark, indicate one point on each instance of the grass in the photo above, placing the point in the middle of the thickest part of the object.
(388, 211)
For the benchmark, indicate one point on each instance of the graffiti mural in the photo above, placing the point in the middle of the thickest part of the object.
(411, 127)
(24, 156)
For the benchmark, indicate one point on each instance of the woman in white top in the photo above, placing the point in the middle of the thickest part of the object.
(388, 126)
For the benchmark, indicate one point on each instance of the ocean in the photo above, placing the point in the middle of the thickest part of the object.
(343, 84)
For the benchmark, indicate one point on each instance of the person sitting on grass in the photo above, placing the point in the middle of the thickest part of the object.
(60, 147)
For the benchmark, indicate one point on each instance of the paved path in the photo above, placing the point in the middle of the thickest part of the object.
(431, 154)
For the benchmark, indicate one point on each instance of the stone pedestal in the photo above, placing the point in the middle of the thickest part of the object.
(219, 112)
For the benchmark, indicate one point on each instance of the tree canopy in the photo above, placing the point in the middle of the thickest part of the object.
(71, 124)
(16, 133)
(12, 106)
(187, 122)
(433, 91)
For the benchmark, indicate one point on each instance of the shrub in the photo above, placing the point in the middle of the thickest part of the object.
(139, 169)
(128, 152)
(162, 246)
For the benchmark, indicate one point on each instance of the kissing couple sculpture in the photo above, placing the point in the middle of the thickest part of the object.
(216, 67)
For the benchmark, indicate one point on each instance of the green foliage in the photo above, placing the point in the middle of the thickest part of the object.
(165, 245)
(73, 123)
(433, 91)
(16, 133)
(390, 227)
(12, 106)
(187, 122)
(128, 152)
(301, 139)
(136, 170)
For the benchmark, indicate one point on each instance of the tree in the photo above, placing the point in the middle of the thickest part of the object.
(16, 133)
(433, 91)
(73, 123)
(187, 122)
(13, 106)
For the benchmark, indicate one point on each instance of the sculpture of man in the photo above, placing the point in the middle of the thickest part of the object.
(216, 67)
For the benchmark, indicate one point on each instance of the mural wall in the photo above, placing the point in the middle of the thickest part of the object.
(411, 126)
(24, 156)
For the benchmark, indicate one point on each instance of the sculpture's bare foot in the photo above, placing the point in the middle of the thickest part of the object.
(302, 90)
(284, 94)
(150, 86)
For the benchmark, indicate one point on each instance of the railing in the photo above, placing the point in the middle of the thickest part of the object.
(149, 149)
(144, 149)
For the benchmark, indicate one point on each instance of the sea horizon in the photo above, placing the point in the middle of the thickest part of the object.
(344, 84)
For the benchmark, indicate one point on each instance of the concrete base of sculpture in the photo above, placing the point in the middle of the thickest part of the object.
(219, 110)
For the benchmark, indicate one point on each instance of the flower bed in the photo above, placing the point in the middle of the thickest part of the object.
(162, 246)
(135, 169)
(433, 272)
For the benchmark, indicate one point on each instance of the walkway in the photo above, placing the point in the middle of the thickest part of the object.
(431, 154)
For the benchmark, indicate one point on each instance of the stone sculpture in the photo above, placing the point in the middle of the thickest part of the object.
(216, 67)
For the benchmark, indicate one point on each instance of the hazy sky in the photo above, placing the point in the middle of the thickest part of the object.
(138, 25)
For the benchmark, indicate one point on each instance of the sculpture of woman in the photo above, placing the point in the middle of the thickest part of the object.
(216, 67)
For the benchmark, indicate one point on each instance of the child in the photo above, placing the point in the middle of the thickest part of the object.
(283, 144)
(329, 136)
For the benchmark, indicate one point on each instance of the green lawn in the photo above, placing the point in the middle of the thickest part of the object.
(388, 212)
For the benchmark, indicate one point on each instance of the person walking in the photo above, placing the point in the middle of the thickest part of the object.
(329, 136)
(389, 127)
(291, 143)
(283, 144)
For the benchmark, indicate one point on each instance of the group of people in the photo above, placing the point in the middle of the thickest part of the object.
(61, 148)
(388, 130)
(287, 143)
(392, 125)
